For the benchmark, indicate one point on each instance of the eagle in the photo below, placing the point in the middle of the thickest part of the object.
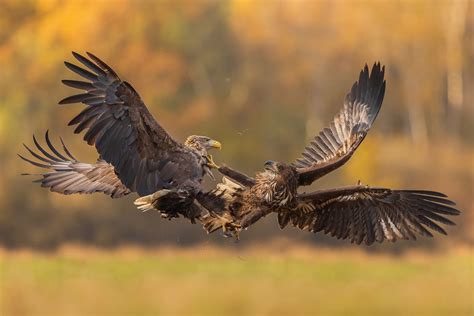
(136, 154)
(359, 213)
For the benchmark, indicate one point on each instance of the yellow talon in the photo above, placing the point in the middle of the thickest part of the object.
(211, 163)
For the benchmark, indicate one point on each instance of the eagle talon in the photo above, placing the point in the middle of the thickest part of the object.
(210, 162)
(234, 232)
(234, 229)
(229, 227)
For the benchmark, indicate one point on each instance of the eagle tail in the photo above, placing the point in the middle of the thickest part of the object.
(148, 202)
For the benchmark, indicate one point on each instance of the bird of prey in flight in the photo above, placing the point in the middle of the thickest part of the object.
(136, 154)
(359, 213)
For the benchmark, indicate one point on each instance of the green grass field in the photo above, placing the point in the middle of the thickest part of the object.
(211, 281)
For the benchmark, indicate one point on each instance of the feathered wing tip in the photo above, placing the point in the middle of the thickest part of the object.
(334, 145)
(369, 90)
(363, 214)
(67, 175)
(55, 157)
(94, 92)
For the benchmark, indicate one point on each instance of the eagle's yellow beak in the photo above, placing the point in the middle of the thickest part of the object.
(214, 144)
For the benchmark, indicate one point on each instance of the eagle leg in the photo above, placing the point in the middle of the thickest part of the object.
(225, 222)
(210, 162)
(232, 229)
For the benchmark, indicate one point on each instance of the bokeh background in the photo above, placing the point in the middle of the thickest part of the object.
(263, 77)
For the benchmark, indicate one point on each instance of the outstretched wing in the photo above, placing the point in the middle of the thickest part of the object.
(360, 213)
(333, 146)
(68, 176)
(125, 133)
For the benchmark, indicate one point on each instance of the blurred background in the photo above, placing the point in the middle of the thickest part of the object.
(263, 77)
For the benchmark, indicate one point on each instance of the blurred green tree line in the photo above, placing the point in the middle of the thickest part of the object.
(262, 77)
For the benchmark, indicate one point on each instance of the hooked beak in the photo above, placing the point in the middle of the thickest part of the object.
(214, 144)
(270, 165)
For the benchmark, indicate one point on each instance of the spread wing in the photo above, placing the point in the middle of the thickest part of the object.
(68, 176)
(334, 145)
(360, 213)
(125, 133)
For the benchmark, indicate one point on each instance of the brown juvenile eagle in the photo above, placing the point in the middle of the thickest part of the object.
(359, 213)
(135, 153)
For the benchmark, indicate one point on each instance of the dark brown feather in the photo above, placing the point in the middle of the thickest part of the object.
(364, 214)
(71, 176)
(334, 146)
(125, 133)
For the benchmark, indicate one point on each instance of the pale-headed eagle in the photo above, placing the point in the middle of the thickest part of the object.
(359, 213)
(135, 153)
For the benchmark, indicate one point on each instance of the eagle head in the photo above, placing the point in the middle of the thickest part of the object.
(280, 168)
(280, 181)
(202, 143)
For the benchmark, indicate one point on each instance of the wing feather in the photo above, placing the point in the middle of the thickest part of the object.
(123, 131)
(363, 214)
(334, 145)
(69, 176)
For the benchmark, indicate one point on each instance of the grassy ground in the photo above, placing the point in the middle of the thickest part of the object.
(211, 281)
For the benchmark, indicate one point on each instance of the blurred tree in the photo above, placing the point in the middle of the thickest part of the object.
(456, 12)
